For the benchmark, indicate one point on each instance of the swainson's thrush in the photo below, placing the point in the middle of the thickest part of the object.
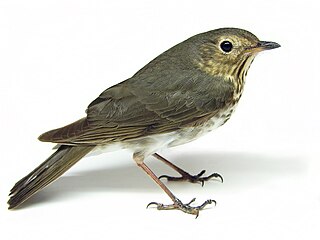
(185, 92)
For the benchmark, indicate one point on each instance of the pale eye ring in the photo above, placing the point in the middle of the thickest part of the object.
(226, 46)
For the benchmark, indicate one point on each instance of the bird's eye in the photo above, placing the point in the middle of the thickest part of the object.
(226, 46)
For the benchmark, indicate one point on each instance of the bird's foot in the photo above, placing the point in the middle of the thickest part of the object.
(177, 204)
(193, 178)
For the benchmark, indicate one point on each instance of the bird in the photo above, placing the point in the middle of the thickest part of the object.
(182, 94)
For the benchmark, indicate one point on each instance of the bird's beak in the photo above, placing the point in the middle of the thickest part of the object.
(263, 45)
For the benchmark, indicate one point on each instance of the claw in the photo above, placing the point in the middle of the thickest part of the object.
(193, 178)
(177, 204)
(209, 201)
(161, 206)
(167, 177)
(152, 203)
(213, 175)
(192, 200)
(201, 173)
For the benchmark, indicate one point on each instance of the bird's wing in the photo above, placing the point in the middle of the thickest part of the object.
(141, 107)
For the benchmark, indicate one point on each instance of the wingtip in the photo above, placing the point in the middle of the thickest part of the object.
(48, 136)
(10, 207)
(43, 137)
(11, 204)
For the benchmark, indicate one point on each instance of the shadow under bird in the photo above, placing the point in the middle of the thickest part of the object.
(185, 92)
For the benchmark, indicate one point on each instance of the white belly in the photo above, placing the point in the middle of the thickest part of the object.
(153, 143)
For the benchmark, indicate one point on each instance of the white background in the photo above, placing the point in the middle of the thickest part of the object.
(57, 56)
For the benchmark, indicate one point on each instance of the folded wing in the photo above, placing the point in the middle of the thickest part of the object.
(140, 107)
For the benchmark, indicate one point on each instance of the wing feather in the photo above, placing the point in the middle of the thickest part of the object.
(144, 106)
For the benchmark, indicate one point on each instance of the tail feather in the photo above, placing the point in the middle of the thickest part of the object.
(48, 171)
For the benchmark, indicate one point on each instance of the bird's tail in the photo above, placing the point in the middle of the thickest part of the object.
(48, 171)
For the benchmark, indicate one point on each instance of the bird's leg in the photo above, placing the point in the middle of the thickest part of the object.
(184, 175)
(177, 204)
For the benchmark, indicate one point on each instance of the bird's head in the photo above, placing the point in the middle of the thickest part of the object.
(228, 52)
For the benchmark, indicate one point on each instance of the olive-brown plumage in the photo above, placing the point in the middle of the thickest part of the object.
(185, 92)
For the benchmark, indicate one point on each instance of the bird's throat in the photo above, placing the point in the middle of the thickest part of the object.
(239, 74)
(236, 74)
